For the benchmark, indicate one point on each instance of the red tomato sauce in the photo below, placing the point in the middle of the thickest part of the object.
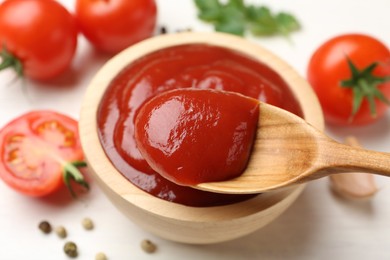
(198, 66)
(191, 136)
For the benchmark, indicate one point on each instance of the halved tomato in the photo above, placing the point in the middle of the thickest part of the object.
(39, 152)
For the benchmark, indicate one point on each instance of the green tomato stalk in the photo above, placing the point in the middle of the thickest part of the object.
(72, 173)
(8, 60)
(365, 86)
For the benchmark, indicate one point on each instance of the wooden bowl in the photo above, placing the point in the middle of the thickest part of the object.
(196, 225)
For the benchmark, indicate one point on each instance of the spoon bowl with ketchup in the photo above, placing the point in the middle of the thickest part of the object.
(133, 140)
(225, 142)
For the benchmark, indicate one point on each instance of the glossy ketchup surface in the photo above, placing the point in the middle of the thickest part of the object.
(197, 66)
(191, 136)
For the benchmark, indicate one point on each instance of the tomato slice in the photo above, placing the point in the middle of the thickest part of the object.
(39, 151)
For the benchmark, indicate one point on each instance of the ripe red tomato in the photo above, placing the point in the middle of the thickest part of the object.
(113, 25)
(40, 37)
(365, 99)
(38, 151)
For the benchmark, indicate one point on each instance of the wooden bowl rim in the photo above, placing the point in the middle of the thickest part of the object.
(109, 178)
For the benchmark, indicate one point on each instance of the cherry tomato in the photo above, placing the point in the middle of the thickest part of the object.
(39, 151)
(113, 25)
(350, 74)
(37, 38)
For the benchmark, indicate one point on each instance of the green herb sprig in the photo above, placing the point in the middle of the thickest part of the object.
(235, 17)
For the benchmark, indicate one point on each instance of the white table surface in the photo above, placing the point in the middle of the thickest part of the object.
(318, 226)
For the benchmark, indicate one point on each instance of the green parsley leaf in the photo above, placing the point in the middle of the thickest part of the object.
(231, 20)
(239, 4)
(235, 17)
(262, 22)
(232, 27)
(209, 10)
(287, 23)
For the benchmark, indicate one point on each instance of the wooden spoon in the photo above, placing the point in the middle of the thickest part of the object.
(289, 151)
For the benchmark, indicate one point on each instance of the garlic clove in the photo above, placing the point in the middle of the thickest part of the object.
(357, 185)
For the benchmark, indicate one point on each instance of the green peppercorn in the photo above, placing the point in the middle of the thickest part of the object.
(45, 227)
(148, 246)
(61, 232)
(70, 249)
(87, 223)
(100, 256)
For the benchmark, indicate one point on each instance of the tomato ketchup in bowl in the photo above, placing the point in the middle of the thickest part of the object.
(195, 66)
(191, 62)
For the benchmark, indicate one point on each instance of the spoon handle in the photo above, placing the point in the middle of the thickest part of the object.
(339, 158)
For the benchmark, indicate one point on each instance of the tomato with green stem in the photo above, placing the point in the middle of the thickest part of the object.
(37, 38)
(113, 25)
(350, 74)
(40, 152)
